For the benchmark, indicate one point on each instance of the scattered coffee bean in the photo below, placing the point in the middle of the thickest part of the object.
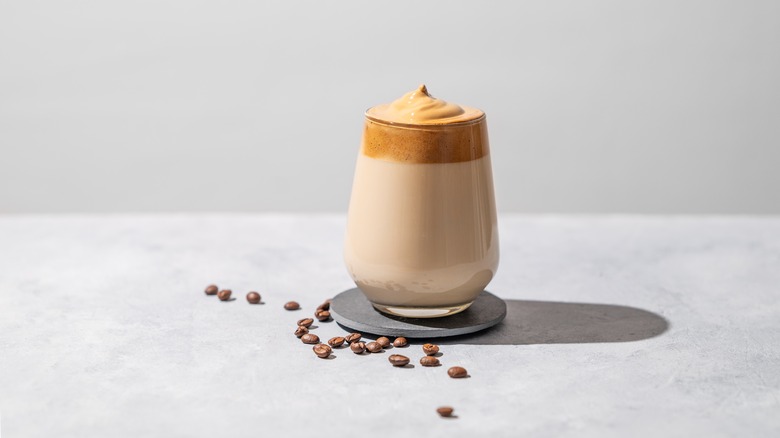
(325, 305)
(445, 411)
(373, 347)
(429, 361)
(336, 342)
(253, 297)
(457, 372)
(400, 342)
(383, 341)
(224, 294)
(301, 330)
(292, 305)
(306, 322)
(430, 349)
(322, 350)
(353, 337)
(358, 347)
(310, 338)
(397, 360)
(212, 289)
(322, 315)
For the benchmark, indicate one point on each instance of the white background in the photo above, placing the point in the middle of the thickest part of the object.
(599, 106)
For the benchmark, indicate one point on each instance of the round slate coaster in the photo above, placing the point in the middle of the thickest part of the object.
(351, 309)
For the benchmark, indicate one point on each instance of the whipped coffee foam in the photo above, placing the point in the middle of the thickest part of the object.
(418, 128)
(418, 107)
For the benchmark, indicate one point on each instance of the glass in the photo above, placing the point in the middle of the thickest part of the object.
(422, 238)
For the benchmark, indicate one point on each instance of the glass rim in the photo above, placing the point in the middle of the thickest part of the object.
(474, 121)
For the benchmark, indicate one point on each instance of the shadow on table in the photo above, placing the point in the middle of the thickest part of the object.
(550, 322)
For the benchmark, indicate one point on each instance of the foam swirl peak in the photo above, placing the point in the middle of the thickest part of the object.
(418, 107)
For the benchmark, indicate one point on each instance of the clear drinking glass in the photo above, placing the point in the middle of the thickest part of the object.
(422, 238)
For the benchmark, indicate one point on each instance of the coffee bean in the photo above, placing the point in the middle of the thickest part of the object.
(224, 294)
(400, 342)
(445, 411)
(457, 372)
(322, 350)
(397, 360)
(358, 347)
(212, 289)
(430, 349)
(353, 337)
(292, 305)
(383, 341)
(429, 361)
(336, 342)
(301, 330)
(310, 338)
(253, 297)
(322, 315)
(306, 322)
(325, 305)
(373, 347)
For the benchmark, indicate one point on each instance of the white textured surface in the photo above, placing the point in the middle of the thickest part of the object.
(105, 331)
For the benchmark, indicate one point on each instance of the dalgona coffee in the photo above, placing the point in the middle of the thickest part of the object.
(422, 235)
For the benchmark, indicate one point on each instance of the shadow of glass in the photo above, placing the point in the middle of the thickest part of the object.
(550, 322)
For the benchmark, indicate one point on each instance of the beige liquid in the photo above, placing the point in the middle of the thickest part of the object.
(422, 234)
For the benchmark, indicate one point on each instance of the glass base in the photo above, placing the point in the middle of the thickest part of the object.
(421, 312)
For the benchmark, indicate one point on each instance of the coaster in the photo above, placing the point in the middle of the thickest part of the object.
(351, 309)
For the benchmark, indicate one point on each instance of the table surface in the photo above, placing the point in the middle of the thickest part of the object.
(616, 326)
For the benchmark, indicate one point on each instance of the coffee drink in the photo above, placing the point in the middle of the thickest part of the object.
(422, 235)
